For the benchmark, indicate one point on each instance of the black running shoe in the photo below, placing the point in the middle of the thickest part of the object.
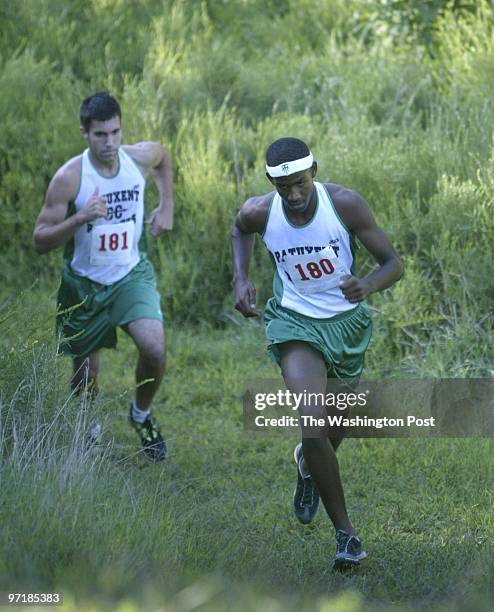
(306, 495)
(349, 551)
(152, 441)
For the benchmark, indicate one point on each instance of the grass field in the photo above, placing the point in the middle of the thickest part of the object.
(396, 101)
(212, 528)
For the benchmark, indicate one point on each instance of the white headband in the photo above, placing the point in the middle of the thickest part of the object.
(286, 168)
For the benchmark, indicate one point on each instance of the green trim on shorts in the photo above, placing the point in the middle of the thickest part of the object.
(342, 339)
(90, 312)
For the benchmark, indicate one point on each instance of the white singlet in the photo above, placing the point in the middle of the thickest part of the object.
(310, 259)
(106, 250)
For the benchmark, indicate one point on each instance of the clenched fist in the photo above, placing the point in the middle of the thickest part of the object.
(95, 208)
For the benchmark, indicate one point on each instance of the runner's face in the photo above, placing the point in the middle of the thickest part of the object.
(296, 189)
(104, 139)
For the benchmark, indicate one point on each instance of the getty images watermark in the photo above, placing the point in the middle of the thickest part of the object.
(375, 408)
(340, 401)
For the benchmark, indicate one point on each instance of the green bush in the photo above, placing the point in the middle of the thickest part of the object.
(217, 81)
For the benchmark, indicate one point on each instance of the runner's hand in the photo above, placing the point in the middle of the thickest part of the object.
(245, 298)
(160, 221)
(354, 289)
(95, 207)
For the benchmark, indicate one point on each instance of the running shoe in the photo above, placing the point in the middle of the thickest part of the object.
(349, 551)
(306, 495)
(152, 441)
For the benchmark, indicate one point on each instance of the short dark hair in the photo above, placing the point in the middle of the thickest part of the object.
(101, 106)
(285, 150)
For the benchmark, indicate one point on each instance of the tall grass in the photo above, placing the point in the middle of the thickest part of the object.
(396, 101)
(213, 526)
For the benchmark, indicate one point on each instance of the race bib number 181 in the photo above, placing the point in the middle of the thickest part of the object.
(111, 245)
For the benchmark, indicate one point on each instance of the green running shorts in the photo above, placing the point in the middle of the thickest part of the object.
(89, 312)
(342, 339)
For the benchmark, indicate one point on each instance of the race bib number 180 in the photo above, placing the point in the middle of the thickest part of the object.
(111, 245)
(314, 272)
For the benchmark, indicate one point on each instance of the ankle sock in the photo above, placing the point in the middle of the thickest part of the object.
(138, 415)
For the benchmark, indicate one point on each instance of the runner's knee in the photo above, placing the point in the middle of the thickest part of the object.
(153, 353)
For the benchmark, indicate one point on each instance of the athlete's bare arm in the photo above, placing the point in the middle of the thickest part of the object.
(357, 216)
(250, 220)
(152, 158)
(52, 229)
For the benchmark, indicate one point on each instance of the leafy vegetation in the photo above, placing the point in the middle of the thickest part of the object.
(396, 100)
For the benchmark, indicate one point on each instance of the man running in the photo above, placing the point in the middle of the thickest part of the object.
(95, 207)
(317, 323)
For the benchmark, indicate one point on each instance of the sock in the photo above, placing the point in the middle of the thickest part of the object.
(138, 415)
(95, 431)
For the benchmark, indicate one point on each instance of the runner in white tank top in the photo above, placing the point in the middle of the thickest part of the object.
(310, 259)
(316, 323)
(106, 249)
(95, 207)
